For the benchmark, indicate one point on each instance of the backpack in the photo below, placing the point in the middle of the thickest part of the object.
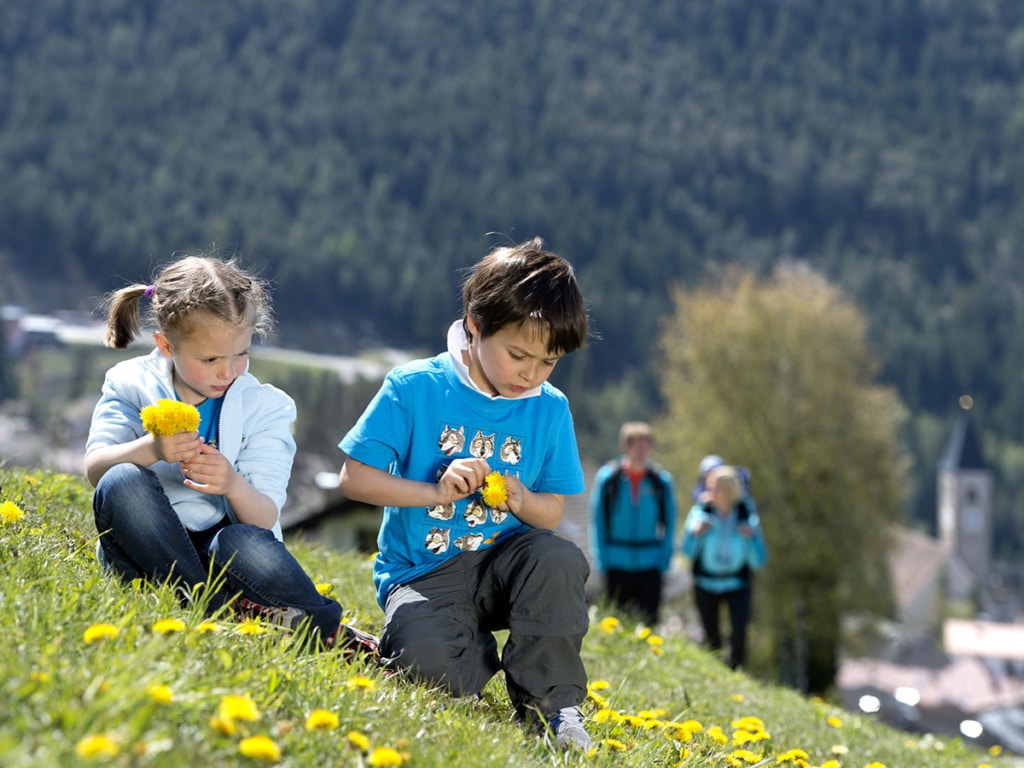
(742, 514)
(611, 490)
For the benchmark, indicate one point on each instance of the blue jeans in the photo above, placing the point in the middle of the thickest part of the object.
(142, 537)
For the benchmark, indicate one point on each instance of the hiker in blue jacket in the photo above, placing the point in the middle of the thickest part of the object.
(724, 541)
(633, 523)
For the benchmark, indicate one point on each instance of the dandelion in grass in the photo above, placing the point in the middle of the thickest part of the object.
(251, 627)
(614, 745)
(642, 632)
(685, 731)
(31, 480)
(261, 748)
(169, 417)
(655, 642)
(324, 588)
(98, 632)
(599, 685)
(717, 735)
(219, 724)
(739, 758)
(832, 763)
(37, 676)
(653, 714)
(607, 715)
(169, 626)
(97, 745)
(839, 750)
(321, 720)
(10, 512)
(361, 683)
(875, 764)
(206, 627)
(494, 492)
(358, 740)
(381, 757)
(834, 721)
(609, 625)
(161, 694)
(995, 750)
(796, 756)
(238, 707)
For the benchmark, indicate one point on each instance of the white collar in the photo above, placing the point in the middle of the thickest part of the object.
(459, 343)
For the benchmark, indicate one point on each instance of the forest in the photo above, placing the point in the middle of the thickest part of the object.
(363, 154)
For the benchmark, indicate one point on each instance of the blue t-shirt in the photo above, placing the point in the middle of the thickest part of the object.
(423, 417)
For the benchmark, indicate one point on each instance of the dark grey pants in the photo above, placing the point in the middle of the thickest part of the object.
(438, 628)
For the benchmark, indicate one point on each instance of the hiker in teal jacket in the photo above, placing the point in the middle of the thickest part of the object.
(724, 541)
(633, 523)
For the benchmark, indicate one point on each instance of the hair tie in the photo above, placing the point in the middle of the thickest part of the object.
(150, 290)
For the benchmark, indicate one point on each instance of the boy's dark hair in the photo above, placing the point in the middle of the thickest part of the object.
(525, 283)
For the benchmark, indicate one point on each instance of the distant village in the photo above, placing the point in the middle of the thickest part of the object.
(968, 683)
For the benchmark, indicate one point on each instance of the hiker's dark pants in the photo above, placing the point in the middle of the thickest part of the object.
(438, 628)
(638, 591)
(708, 606)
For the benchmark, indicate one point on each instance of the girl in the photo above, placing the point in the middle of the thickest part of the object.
(200, 509)
(724, 541)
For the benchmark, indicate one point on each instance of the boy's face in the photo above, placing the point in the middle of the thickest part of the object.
(511, 361)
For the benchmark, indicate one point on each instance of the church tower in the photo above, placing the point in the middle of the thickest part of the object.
(965, 511)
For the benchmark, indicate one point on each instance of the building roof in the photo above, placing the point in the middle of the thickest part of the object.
(963, 450)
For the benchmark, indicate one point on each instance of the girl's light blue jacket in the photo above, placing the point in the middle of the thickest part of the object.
(255, 434)
(723, 553)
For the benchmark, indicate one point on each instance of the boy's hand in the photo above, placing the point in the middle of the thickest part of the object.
(461, 478)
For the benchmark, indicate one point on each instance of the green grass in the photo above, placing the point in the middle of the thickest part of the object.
(56, 689)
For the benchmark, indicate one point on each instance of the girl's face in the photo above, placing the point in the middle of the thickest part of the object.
(511, 361)
(208, 359)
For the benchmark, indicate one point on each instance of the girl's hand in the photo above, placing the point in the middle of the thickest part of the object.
(177, 448)
(209, 472)
(461, 478)
(702, 527)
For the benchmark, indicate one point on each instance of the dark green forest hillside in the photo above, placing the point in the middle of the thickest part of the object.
(363, 153)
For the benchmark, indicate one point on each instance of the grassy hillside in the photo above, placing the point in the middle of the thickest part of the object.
(95, 673)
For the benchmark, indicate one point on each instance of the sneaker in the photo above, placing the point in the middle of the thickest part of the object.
(286, 617)
(566, 725)
(354, 642)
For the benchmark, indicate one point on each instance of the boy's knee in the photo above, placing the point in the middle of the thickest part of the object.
(558, 556)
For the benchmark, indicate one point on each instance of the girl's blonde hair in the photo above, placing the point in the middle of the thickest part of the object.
(193, 284)
(728, 477)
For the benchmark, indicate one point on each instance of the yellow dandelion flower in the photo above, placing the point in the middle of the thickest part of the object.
(227, 727)
(609, 624)
(238, 707)
(384, 756)
(653, 714)
(748, 723)
(97, 745)
(642, 632)
(655, 640)
(321, 720)
(161, 694)
(614, 745)
(792, 756)
(737, 697)
(31, 480)
(833, 763)
(684, 731)
(494, 491)
(37, 676)
(607, 716)
(10, 512)
(657, 651)
(324, 588)
(875, 764)
(995, 750)
(167, 626)
(251, 627)
(358, 740)
(599, 685)
(169, 417)
(260, 747)
(100, 632)
(834, 721)
(361, 683)
(716, 734)
(744, 757)
(206, 627)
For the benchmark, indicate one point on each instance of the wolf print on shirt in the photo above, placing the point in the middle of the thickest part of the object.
(482, 446)
(442, 511)
(476, 513)
(470, 542)
(511, 452)
(452, 440)
(437, 540)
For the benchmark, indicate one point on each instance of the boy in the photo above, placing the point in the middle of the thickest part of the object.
(451, 568)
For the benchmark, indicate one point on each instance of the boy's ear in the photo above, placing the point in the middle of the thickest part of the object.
(163, 344)
(472, 328)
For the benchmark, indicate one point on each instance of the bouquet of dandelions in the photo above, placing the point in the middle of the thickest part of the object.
(494, 492)
(169, 417)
